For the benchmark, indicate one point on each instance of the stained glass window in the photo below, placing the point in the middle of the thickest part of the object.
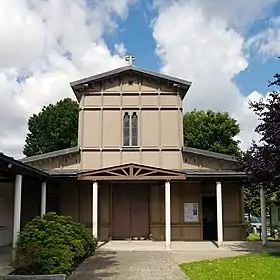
(134, 130)
(126, 129)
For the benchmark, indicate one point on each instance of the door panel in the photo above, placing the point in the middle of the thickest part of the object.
(139, 207)
(121, 217)
(130, 211)
(209, 206)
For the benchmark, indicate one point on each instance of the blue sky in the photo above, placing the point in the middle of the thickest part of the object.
(136, 34)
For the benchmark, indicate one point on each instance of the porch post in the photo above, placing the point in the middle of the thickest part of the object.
(219, 213)
(263, 216)
(167, 216)
(95, 209)
(17, 210)
(43, 198)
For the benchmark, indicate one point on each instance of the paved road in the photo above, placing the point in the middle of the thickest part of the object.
(125, 265)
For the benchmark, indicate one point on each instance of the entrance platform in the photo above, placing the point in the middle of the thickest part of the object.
(147, 245)
(199, 246)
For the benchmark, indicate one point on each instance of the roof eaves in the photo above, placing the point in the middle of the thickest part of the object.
(126, 68)
(22, 165)
(215, 173)
(50, 155)
(209, 154)
(99, 76)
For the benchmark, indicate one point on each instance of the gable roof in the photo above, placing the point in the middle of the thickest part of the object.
(209, 154)
(180, 82)
(50, 155)
(131, 171)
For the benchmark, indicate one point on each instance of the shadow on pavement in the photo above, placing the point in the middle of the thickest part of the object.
(99, 266)
(251, 246)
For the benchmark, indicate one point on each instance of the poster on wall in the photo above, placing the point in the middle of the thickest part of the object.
(190, 212)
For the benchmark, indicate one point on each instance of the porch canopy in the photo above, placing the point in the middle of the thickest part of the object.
(9, 168)
(12, 175)
(137, 172)
(131, 171)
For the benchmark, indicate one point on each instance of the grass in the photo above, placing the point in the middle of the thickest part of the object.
(264, 266)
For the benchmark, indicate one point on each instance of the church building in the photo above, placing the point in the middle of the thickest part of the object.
(130, 177)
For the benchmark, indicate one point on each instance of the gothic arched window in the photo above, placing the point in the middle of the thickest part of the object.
(126, 129)
(134, 130)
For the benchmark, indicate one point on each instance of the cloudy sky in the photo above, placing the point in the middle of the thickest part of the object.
(228, 49)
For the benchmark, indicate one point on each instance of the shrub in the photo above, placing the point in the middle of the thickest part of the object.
(248, 228)
(52, 244)
(254, 237)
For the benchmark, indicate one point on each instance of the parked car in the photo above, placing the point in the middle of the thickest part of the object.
(255, 222)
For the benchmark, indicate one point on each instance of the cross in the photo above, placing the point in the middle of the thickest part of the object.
(130, 58)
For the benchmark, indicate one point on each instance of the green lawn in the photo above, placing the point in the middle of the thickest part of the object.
(253, 266)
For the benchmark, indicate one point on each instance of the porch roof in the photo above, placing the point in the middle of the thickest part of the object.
(10, 166)
(132, 171)
(144, 172)
(222, 174)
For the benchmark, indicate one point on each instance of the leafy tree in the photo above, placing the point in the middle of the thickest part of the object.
(54, 128)
(262, 160)
(212, 131)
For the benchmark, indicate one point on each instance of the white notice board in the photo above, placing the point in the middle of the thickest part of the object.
(190, 212)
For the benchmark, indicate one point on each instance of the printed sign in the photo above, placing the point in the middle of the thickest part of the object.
(190, 212)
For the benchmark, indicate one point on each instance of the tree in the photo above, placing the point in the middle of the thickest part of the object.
(262, 160)
(54, 128)
(212, 131)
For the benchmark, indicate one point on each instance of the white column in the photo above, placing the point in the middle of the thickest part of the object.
(17, 209)
(167, 216)
(263, 217)
(95, 209)
(43, 198)
(219, 213)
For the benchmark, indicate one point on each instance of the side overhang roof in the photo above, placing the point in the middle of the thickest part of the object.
(215, 174)
(50, 155)
(184, 84)
(210, 154)
(10, 164)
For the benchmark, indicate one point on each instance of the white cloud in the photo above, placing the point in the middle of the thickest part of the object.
(199, 42)
(267, 41)
(37, 40)
(238, 13)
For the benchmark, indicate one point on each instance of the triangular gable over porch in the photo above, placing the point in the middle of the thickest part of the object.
(132, 171)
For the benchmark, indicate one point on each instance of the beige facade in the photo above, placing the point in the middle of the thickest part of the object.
(158, 107)
(131, 116)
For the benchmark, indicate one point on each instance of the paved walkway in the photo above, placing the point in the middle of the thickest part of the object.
(129, 265)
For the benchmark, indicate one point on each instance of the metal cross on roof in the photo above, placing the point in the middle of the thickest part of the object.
(130, 58)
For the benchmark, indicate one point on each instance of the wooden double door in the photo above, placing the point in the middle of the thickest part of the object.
(130, 211)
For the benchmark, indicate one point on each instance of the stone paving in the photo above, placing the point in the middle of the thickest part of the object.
(129, 265)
